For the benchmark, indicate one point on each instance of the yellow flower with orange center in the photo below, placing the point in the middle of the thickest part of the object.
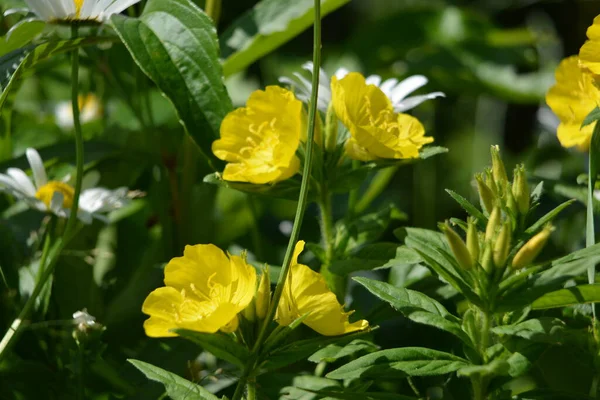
(377, 131)
(572, 98)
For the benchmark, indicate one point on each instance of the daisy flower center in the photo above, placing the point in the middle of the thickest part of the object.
(45, 193)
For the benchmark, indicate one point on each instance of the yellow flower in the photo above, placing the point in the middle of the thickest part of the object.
(305, 292)
(376, 130)
(589, 54)
(572, 98)
(205, 290)
(259, 141)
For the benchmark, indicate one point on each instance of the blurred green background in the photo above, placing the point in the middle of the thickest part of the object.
(494, 59)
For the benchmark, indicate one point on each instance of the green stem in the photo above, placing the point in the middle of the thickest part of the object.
(251, 390)
(212, 8)
(335, 282)
(353, 196)
(302, 203)
(478, 388)
(78, 134)
(378, 185)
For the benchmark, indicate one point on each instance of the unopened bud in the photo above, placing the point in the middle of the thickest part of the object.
(486, 196)
(473, 240)
(493, 223)
(486, 258)
(532, 248)
(263, 294)
(511, 203)
(520, 189)
(502, 245)
(458, 246)
(498, 170)
(331, 129)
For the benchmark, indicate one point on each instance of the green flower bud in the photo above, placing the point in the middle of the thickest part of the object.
(511, 203)
(520, 189)
(486, 258)
(532, 248)
(458, 246)
(498, 170)
(502, 245)
(263, 294)
(486, 196)
(331, 129)
(473, 240)
(493, 223)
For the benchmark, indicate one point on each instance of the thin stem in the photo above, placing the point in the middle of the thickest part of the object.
(213, 10)
(353, 196)
(251, 390)
(336, 283)
(78, 135)
(378, 185)
(302, 202)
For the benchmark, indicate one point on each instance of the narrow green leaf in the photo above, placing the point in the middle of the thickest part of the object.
(288, 189)
(330, 394)
(334, 352)
(367, 257)
(175, 44)
(218, 344)
(544, 329)
(267, 26)
(177, 387)
(570, 296)
(591, 117)
(398, 363)
(20, 34)
(468, 207)
(590, 232)
(539, 224)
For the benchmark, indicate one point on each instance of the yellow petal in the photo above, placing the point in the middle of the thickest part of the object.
(260, 140)
(377, 132)
(157, 327)
(160, 305)
(589, 54)
(572, 98)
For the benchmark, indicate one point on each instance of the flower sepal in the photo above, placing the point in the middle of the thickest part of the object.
(222, 345)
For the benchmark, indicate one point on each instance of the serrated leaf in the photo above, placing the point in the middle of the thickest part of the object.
(218, 344)
(583, 294)
(175, 44)
(267, 26)
(397, 363)
(177, 387)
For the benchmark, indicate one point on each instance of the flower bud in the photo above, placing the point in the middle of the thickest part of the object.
(511, 203)
(331, 129)
(493, 223)
(486, 258)
(263, 294)
(486, 196)
(473, 240)
(502, 245)
(498, 170)
(458, 246)
(532, 248)
(520, 189)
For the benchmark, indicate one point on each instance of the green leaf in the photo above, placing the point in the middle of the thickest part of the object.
(544, 329)
(495, 368)
(468, 207)
(570, 296)
(20, 34)
(539, 224)
(351, 395)
(218, 344)
(590, 232)
(175, 44)
(287, 189)
(366, 257)
(398, 363)
(334, 352)
(177, 387)
(267, 26)
(592, 117)
(406, 255)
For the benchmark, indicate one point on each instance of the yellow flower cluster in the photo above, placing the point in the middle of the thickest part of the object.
(206, 290)
(576, 92)
(259, 141)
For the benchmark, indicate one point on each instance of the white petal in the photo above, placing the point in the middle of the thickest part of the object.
(388, 86)
(118, 6)
(21, 178)
(56, 203)
(373, 80)
(341, 73)
(407, 86)
(41, 8)
(37, 167)
(413, 101)
(9, 183)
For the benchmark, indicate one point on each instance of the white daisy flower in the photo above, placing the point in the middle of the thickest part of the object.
(90, 110)
(57, 196)
(84, 320)
(78, 10)
(397, 91)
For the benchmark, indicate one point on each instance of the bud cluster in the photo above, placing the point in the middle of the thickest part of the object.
(506, 205)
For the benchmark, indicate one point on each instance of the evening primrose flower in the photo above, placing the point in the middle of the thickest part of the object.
(205, 290)
(259, 141)
(589, 54)
(305, 292)
(397, 91)
(56, 197)
(572, 98)
(90, 110)
(377, 131)
(78, 10)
